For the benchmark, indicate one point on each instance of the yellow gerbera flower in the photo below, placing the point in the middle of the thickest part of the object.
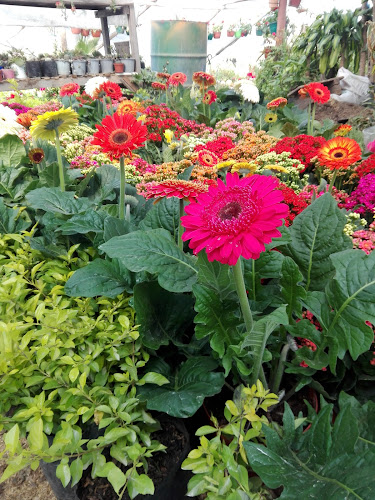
(276, 168)
(244, 167)
(270, 117)
(224, 164)
(45, 125)
(168, 134)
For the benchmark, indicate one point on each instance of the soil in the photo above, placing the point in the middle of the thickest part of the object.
(158, 467)
(339, 112)
(26, 484)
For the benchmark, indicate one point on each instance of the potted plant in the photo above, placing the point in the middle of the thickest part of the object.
(48, 65)
(76, 31)
(96, 33)
(63, 62)
(17, 59)
(93, 63)
(258, 29)
(294, 3)
(245, 29)
(217, 29)
(231, 30)
(85, 32)
(272, 21)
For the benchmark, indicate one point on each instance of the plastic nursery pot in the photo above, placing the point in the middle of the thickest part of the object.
(120, 29)
(217, 34)
(93, 66)
(238, 34)
(106, 66)
(244, 33)
(259, 32)
(230, 33)
(85, 32)
(33, 69)
(49, 68)
(8, 73)
(76, 31)
(63, 67)
(294, 3)
(61, 493)
(79, 67)
(96, 33)
(129, 65)
(119, 67)
(273, 27)
(210, 36)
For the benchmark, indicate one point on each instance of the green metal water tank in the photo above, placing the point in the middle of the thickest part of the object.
(183, 44)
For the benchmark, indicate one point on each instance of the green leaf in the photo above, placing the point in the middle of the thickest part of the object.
(153, 378)
(323, 462)
(165, 214)
(117, 478)
(84, 223)
(187, 389)
(140, 485)
(105, 182)
(99, 277)
(155, 252)
(115, 227)
(11, 439)
(10, 220)
(316, 233)
(63, 473)
(291, 292)
(12, 150)
(76, 470)
(36, 436)
(163, 316)
(50, 175)
(15, 182)
(55, 201)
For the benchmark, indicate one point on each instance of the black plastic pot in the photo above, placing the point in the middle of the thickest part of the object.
(33, 69)
(61, 493)
(49, 68)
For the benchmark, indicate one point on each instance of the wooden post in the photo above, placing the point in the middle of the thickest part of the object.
(281, 22)
(134, 38)
(363, 57)
(105, 33)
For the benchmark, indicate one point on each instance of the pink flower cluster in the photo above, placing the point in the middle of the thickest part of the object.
(47, 106)
(232, 129)
(362, 199)
(309, 190)
(84, 161)
(365, 239)
(142, 167)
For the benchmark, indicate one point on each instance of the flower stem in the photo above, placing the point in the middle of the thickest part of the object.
(59, 160)
(241, 292)
(180, 228)
(313, 117)
(280, 368)
(209, 114)
(104, 107)
(332, 183)
(308, 118)
(122, 189)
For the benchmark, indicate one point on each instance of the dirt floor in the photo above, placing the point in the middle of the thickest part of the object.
(25, 485)
(341, 111)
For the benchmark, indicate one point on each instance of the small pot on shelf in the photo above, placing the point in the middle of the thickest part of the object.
(76, 31)
(273, 27)
(217, 34)
(96, 33)
(238, 34)
(259, 32)
(8, 74)
(119, 67)
(210, 36)
(244, 33)
(79, 67)
(230, 33)
(106, 65)
(85, 32)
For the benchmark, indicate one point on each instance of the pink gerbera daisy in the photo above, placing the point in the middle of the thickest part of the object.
(174, 188)
(235, 219)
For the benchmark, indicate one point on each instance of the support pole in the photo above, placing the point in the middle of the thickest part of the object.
(105, 33)
(281, 22)
(133, 38)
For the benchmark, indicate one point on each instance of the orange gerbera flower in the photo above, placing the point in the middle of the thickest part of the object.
(342, 130)
(69, 89)
(158, 86)
(303, 92)
(318, 92)
(279, 102)
(207, 158)
(177, 79)
(339, 152)
(163, 76)
(26, 119)
(119, 135)
(203, 79)
(131, 107)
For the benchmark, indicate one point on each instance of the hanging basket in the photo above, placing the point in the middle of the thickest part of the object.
(85, 32)
(217, 34)
(273, 27)
(294, 3)
(76, 31)
(238, 34)
(230, 33)
(259, 32)
(210, 36)
(96, 33)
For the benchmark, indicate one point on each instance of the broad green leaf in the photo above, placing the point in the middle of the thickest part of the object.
(155, 252)
(16, 182)
(316, 234)
(291, 291)
(11, 439)
(163, 316)
(12, 150)
(10, 220)
(76, 470)
(324, 462)
(99, 277)
(117, 478)
(189, 385)
(36, 436)
(63, 473)
(50, 176)
(153, 378)
(104, 183)
(115, 227)
(55, 201)
(140, 484)
(90, 221)
(165, 214)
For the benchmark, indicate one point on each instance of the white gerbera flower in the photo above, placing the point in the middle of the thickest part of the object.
(248, 90)
(8, 121)
(94, 83)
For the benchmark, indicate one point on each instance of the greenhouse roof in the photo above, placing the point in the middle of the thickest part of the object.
(78, 4)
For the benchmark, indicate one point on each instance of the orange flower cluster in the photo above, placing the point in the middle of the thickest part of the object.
(251, 147)
(171, 170)
(26, 119)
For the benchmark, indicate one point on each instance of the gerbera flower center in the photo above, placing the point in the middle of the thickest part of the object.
(119, 137)
(230, 211)
(53, 124)
(319, 92)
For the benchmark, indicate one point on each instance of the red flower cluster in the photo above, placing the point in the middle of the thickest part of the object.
(302, 147)
(159, 118)
(295, 202)
(218, 146)
(366, 167)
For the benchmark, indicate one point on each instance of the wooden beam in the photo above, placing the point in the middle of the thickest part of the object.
(112, 12)
(105, 34)
(281, 22)
(133, 38)
(78, 4)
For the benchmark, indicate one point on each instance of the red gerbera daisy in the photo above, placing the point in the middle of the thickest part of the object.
(69, 89)
(207, 158)
(209, 97)
(158, 86)
(235, 219)
(303, 92)
(279, 102)
(187, 190)
(163, 76)
(110, 89)
(119, 135)
(177, 79)
(342, 130)
(339, 152)
(318, 92)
